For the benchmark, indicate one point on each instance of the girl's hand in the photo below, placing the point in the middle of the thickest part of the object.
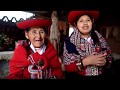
(95, 59)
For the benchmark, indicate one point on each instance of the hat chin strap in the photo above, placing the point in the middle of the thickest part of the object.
(75, 25)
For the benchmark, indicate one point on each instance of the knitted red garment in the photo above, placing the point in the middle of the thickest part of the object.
(73, 68)
(20, 61)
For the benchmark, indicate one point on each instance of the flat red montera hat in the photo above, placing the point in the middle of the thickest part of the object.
(73, 15)
(34, 22)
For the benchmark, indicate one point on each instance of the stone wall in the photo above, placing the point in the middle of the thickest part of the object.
(4, 68)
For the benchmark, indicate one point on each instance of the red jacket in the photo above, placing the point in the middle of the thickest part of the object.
(19, 62)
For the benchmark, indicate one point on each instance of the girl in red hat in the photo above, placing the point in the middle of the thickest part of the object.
(86, 52)
(37, 58)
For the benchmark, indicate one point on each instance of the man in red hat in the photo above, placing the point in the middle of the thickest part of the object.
(37, 58)
(86, 52)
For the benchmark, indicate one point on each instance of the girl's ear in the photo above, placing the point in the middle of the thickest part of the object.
(75, 25)
(93, 20)
(26, 34)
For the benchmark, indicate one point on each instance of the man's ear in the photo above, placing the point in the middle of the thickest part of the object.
(26, 34)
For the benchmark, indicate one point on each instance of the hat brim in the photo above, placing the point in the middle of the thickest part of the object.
(33, 23)
(73, 15)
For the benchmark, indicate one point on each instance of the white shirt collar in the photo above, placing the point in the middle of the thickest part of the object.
(42, 48)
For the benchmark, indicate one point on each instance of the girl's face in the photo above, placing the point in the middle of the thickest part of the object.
(84, 24)
(36, 36)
